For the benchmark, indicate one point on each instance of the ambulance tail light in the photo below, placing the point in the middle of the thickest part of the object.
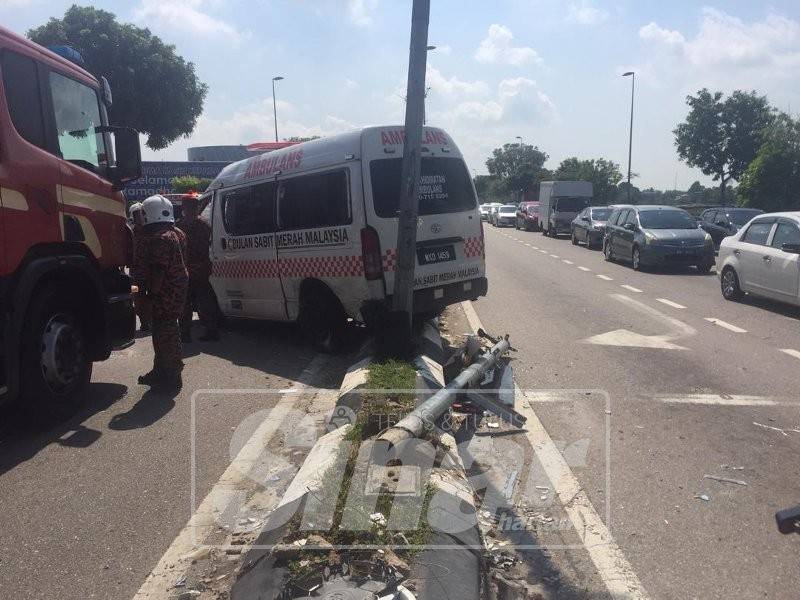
(371, 253)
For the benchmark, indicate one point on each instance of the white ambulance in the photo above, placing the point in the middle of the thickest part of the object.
(308, 233)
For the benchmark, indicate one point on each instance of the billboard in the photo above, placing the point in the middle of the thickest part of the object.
(157, 175)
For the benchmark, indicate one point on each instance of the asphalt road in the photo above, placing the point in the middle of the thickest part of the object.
(695, 386)
(89, 507)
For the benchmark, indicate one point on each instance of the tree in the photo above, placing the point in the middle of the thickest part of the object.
(697, 188)
(603, 174)
(189, 183)
(721, 137)
(772, 181)
(518, 167)
(155, 90)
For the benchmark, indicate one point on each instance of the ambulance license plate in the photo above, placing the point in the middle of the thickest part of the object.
(435, 254)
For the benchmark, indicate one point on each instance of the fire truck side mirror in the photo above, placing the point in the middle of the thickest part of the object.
(128, 156)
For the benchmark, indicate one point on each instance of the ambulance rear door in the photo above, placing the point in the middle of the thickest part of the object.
(244, 259)
(450, 260)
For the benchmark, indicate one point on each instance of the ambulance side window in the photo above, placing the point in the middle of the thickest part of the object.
(249, 210)
(319, 200)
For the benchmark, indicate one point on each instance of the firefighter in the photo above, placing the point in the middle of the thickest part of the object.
(141, 302)
(198, 263)
(166, 282)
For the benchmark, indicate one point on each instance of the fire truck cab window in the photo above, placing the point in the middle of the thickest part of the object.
(77, 113)
(319, 200)
(250, 210)
(21, 84)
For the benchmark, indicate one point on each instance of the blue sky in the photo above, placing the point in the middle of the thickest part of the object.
(546, 70)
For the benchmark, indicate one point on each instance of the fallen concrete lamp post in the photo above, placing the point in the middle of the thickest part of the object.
(422, 419)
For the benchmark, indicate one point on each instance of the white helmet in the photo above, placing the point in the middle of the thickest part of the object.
(157, 209)
(135, 212)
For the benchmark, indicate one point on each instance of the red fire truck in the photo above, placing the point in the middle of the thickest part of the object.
(65, 300)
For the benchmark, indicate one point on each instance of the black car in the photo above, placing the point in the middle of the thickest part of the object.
(657, 235)
(724, 221)
(590, 226)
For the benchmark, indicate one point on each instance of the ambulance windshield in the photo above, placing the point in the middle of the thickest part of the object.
(445, 186)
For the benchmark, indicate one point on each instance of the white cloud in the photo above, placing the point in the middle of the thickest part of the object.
(453, 86)
(187, 15)
(652, 32)
(478, 111)
(350, 84)
(585, 13)
(771, 45)
(498, 48)
(515, 100)
(444, 49)
(360, 11)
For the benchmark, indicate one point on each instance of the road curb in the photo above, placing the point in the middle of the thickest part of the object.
(453, 570)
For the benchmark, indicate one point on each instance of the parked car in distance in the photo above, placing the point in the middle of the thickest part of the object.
(528, 216)
(657, 236)
(484, 208)
(589, 226)
(560, 202)
(506, 215)
(724, 221)
(762, 259)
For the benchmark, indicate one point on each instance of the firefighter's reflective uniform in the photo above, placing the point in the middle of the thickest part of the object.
(198, 263)
(166, 279)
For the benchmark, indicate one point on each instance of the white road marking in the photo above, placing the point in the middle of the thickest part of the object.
(630, 288)
(585, 269)
(568, 262)
(630, 339)
(543, 251)
(527, 244)
(626, 338)
(535, 247)
(604, 277)
(612, 566)
(718, 399)
(554, 256)
(725, 325)
(790, 352)
(175, 562)
(670, 303)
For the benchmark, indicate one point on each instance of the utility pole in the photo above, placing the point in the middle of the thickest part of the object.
(632, 75)
(409, 192)
(275, 105)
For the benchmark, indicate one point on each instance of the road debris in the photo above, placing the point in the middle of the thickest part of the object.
(703, 497)
(725, 479)
(378, 519)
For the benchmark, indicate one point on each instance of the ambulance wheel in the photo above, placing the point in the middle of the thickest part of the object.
(322, 318)
(55, 367)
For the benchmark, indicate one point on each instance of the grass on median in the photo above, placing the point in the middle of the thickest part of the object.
(391, 384)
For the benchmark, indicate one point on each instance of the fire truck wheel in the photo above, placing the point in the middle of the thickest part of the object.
(322, 318)
(55, 364)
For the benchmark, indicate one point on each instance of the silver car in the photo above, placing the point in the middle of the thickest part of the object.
(763, 259)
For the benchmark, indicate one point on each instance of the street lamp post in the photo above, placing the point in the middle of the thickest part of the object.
(275, 106)
(632, 75)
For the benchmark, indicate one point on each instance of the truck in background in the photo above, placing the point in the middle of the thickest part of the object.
(65, 300)
(560, 202)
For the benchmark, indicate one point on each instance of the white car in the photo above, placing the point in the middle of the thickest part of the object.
(763, 259)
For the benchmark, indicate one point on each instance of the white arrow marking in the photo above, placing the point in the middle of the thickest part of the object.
(626, 338)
